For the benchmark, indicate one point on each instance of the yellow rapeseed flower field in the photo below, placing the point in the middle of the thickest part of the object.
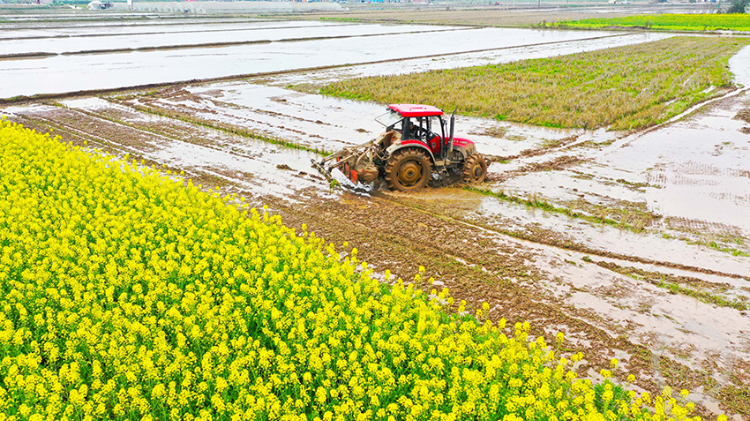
(129, 294)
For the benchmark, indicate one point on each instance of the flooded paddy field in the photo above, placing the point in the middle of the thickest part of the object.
(644, 257)
(65, 64)
(256, 33)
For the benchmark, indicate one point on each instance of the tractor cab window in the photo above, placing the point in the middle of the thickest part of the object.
(422, 128)
(436, 128)
(415, 128)
(390, 120)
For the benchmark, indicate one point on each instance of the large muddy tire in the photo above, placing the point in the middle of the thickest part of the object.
(475, 169)
(408, 170)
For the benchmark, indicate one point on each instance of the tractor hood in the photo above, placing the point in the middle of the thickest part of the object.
(462, 142)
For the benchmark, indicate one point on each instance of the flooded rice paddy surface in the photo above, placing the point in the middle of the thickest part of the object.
(112, 68)
(83, 29)
(255, 33)
(645, 257)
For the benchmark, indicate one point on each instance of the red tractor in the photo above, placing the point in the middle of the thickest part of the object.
(417, 142)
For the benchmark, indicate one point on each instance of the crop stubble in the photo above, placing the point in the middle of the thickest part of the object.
(621, 88)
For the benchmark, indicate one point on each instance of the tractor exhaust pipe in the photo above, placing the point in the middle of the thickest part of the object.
(453, 125)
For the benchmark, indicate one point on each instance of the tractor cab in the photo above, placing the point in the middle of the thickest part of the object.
(422, 123)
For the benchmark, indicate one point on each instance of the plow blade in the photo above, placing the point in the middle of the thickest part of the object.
(322, 170)
(358, 163)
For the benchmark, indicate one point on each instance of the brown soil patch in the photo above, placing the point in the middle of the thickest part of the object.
(559, 163)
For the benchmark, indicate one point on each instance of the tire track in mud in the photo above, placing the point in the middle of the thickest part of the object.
(189, 116)
(87, 140)
(151, 141)
(583, 250)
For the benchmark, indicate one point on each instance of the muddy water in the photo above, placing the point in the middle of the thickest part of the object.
(112, 29)
(692, 174)
(504, 55)
(330, 123)
(606, 239)
(739, 65)
(673, 326)
(69, 45)
(648, 314)
(59, 74)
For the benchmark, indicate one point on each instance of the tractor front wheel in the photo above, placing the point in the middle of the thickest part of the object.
(475, 169)
(408, 170)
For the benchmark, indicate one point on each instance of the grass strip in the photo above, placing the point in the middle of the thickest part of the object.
(667, 21)
(731, 250)
(626, 87)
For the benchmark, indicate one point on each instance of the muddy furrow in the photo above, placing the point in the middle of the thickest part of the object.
(561, 243)
(220, 159)
(217, 117)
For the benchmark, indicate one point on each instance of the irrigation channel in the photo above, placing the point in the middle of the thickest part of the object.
(643, 256)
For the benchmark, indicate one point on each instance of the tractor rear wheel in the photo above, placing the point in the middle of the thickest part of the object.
(475, 169)
(408, 170)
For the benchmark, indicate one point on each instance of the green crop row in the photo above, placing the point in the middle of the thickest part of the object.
(621, 88)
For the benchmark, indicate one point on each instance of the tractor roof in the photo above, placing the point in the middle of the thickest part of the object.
(415, 110)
